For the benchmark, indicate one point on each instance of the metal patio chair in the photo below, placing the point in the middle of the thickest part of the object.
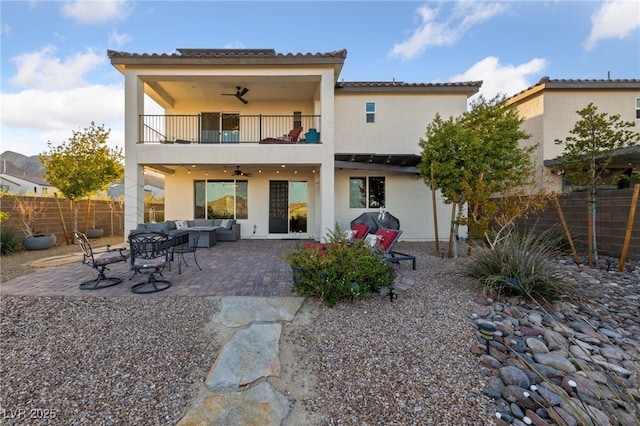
(100, 262)
(190, 246)
(149, 255)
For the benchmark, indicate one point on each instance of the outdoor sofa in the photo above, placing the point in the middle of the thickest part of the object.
(211, 230)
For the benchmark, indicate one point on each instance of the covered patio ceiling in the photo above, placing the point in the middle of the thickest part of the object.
(623, 159)
(402, 163)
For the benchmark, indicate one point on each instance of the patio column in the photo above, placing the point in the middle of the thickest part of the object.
(133, 171)
(327, 172)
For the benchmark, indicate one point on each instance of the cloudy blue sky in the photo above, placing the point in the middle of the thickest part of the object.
(56, 77)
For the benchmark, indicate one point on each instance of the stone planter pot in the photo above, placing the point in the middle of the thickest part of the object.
(39, 242)
(95, 232)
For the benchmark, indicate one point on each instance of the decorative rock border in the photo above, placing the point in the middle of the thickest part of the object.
(575, 363)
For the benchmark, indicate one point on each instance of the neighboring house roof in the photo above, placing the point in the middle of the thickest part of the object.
(4, 178)
(546, 83)
(30, 179)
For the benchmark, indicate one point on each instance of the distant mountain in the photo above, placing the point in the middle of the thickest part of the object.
(21, 166)
(32, 170)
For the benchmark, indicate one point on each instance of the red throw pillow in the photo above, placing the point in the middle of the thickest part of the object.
(387, 237)
(361, 230)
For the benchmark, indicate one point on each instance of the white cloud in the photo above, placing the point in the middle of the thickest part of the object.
(117, 39)
(96, 12)
(234, 45)
(497, 78)
(5, 30)
(62, 109)
(614, 19)
(431, 32)
(41, 70)
(33, 117)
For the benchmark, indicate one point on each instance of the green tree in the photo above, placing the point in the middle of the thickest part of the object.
(476, 156)
(83, 165)
(588, 153)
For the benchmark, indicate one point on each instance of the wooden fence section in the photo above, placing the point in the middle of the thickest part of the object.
(612, 215)
(109, 215)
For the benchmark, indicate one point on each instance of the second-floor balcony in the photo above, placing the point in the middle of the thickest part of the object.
(219, 128)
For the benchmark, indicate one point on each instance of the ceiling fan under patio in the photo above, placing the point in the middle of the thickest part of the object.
(238, 172)
(240, 92)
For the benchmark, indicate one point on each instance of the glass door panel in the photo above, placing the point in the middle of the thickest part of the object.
(298, 206)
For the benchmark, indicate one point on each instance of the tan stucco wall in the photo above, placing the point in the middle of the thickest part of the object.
(400, 121)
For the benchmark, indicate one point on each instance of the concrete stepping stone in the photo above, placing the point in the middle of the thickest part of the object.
(259, 405)
(240, 311)
(251, 353)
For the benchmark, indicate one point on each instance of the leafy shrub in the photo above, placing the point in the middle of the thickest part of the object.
(8, 240)
(519, 265)
(338, 269)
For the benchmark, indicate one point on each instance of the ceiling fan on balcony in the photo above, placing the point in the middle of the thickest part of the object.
(238, 172)
(240, 92)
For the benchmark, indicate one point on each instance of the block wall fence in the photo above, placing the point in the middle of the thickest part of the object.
(612, 217)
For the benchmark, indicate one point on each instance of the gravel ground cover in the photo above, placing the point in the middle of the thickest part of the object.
(141, 361)
(136, 360)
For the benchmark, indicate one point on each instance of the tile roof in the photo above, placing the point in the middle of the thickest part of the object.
(226, 54)
(394, 84)
(549, 83)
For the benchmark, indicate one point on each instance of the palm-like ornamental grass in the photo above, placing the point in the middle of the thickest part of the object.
(519, 265)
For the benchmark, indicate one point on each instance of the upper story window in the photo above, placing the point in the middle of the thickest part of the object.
(370, 110)
(366, 192)
(297, 119)
(638, 108)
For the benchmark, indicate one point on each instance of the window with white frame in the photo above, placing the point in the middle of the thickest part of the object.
(370, 111)
(637, 108)
(367, 192)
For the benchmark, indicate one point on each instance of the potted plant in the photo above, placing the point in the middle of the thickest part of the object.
(30, 210)
(94, 231)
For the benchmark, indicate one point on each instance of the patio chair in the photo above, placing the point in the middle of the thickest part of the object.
(100, 262)
(292, 137)
(189, 246)
(386, 239)
(149, 255)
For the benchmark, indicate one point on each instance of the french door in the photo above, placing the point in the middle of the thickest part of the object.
(287, 206)
(218, 127)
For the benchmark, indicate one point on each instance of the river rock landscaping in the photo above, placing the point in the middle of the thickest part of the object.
(572, 363)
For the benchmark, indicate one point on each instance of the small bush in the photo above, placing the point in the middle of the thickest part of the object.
(519, 265)
(338, 269)
(8, 240)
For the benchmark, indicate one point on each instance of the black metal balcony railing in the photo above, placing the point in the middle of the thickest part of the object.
(225, 128)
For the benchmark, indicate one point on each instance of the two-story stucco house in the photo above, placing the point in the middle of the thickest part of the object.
(550, 112)
(278, 141)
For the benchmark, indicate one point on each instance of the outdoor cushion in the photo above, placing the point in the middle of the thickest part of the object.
(158, 227)
(387, 238)
(181, 224)
(360, 229)
(225, 223)
(290, 138)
